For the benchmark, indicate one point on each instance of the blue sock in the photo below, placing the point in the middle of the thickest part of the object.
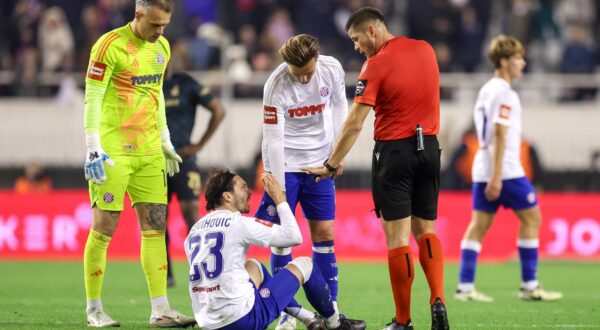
(280, 259)
(528, 253)
(324, 257)
(468, 263)
(318, 294)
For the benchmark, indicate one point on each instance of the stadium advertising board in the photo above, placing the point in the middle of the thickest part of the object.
(56, 226)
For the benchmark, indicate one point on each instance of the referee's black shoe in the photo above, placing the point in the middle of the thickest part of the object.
(397, 326)
(439, 316)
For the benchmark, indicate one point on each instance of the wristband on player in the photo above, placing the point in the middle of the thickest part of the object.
(329, 167)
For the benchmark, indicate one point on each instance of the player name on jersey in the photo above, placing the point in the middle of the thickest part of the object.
(216, 222)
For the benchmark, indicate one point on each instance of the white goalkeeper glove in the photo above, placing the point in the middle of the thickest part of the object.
(95, 159)
(173, 159)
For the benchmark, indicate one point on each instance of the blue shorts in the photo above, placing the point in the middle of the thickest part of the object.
(316, 198)
(516, 194)
(271, 298)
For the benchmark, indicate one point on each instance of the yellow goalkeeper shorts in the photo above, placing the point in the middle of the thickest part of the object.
(144, 179)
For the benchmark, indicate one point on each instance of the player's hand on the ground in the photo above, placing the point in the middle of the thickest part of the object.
(338, 170)
(493, 189)
(173, 159)
(320, 173)
(94, 164)
(272, 188)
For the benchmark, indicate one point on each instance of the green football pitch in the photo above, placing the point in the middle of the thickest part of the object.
(50, 295)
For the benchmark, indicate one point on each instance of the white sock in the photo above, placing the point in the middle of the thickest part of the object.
(335, 307)
(94, 303)
(333, 321)
(159, 305)
(530, 285)
(301, 313)
(466, 287)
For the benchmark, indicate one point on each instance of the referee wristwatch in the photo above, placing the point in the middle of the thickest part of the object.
(329, 167)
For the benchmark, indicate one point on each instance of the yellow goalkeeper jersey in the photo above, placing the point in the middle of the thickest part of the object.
(132, 71)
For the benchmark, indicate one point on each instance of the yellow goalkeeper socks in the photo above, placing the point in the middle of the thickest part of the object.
(94, 263)
(154, 261)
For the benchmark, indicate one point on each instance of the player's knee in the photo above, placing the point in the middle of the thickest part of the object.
(322, 231)
(304, 266)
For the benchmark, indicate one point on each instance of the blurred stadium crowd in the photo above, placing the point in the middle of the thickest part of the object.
(56, 35)
(45, 43)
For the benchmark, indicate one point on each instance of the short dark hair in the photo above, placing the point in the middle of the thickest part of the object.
(300, 49)
(165, 5)
(219, 181)
(365, 14)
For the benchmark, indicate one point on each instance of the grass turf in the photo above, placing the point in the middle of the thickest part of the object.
(50, 295)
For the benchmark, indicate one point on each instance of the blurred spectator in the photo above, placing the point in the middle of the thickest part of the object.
(579, 12)
(86, 35)
(198, 13)
(521, 20)
(33, 181)
(443, 53)
(27, 70)
(468, 54)
(579, 57)
(594, 172)
(114, 13)
(279, 28)
(56, 41)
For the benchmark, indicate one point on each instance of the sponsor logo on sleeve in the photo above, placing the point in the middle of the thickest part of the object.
(504, 111)
(97, 71)
(361, 85)
(270, 115)
(264, 222)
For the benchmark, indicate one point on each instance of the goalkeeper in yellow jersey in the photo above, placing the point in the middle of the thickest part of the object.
(129, 150)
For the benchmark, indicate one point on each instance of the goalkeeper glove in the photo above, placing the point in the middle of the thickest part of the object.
(96, 157)
(173, 159)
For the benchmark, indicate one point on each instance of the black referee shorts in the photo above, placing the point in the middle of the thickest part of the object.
(406, 181)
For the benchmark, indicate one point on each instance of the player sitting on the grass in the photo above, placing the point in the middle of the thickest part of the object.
(498, 176)
(230, 292)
